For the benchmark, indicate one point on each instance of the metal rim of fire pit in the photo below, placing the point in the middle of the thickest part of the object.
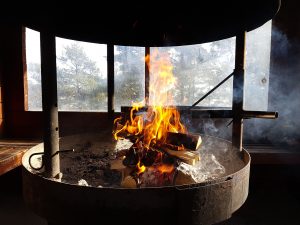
(202, 203)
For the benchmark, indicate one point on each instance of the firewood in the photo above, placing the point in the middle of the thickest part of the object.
(128, 182)
(188, 157)
(188, 141)
(149, 157)
(131, 157)
(184, 175)
(117, 164)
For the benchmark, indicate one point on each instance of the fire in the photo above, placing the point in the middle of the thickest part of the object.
(151, 127)
(161, 117)
(165, 168)
(134, 125)
(141, 169)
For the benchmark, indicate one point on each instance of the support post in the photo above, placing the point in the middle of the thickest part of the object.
(49, 99)
(110, 81)
(147, 76)
(238, 91)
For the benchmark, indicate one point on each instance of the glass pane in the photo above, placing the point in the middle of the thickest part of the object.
(258, 45)
(33, 60)
(81, 75)
(198, 68)
(129, 75)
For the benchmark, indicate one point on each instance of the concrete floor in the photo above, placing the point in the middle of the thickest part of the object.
(274, 198)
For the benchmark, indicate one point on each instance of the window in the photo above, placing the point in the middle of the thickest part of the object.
(258, 48)
(33, 60)
(198, 68)
(129, 75)
(82, 73)
(81, 76)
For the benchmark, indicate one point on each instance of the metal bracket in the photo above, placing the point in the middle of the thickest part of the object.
(42, 153)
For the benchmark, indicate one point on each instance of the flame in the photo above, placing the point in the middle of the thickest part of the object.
(133, 126)
(165, 168)
(141, 169)
(160, 117)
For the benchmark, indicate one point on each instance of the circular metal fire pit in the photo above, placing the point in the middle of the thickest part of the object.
(202, 203)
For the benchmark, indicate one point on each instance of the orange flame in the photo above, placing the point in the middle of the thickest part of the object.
(160, 117)
(165, 168)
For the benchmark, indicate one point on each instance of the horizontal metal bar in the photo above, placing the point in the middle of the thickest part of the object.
(213, 112)
(260, 114)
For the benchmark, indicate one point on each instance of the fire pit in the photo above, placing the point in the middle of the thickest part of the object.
(201, 203)
(54, 191)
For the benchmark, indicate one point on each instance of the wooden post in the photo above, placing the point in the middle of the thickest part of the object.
(50, 111)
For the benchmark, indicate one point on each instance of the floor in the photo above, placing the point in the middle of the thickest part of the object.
(274, 198)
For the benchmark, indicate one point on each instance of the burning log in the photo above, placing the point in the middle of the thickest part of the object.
(188, 141)
(131, 158)
(150, 156)
(188, 157)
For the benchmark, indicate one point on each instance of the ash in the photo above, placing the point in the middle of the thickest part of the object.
(206, 169)
(89, 165)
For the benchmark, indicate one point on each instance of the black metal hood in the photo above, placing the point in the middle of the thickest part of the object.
(146, 23)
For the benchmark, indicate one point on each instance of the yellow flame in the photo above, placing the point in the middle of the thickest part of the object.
(161, 117)
(141, 169)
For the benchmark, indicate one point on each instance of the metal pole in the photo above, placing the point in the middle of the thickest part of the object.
(110, 80)
(211, 91)
(147, 76)
(238, 91)
(50, 111)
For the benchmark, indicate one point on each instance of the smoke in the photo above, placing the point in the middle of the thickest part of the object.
(207, 126)
(284, 95)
